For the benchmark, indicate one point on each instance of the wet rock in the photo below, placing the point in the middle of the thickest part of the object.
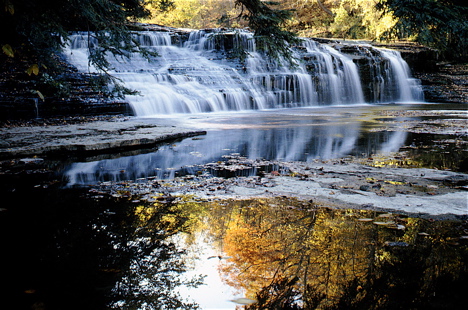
(456, 180)
(4, 144)
(33, 160)
(364, 188)
(447, 83)
(86, 138)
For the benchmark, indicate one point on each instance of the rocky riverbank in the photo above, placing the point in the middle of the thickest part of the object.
(118, 134)
(388, 182)
(448, 83)
(334, 183)
(68, 93)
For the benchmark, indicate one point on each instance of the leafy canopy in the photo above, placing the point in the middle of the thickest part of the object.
(268, 25)
(442, 24)
(41, 28)
(265, 18)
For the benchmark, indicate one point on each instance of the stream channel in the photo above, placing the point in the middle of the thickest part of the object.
(300, 134)
(201, 223)
(83, 235)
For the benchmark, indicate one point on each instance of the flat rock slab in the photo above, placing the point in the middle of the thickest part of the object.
(415, 191)
(91, 137)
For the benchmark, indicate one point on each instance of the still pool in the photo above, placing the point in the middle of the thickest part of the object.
(68, 244)
(85, 249)
(303, 134)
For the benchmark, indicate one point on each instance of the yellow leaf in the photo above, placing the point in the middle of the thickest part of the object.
(9, 7)
(34, 69)
(8, 50)
(40, 95)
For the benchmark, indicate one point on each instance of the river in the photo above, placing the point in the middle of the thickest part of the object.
(112, 232)
(299, 134)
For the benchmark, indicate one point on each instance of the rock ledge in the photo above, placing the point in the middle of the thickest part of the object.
(94, 137)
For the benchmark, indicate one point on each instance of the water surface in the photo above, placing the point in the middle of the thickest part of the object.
(302, 134)
(86, 249)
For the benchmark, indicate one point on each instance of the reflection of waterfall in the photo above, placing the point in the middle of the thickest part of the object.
(201, 74)
(394, 142)
(302, 143)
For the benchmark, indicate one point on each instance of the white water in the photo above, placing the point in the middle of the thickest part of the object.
(197, 76)
(407, 88)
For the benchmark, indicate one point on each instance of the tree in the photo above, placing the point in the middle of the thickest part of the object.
(360, 19)
(266, 20)
(39, 30)
(311, 18)
(268, 25)
(42, 28)
(195, 14)
(441, 24)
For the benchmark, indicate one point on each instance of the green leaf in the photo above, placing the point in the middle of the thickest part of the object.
(8, 50)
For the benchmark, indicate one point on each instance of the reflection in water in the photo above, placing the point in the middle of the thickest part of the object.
(290, 255)
(155, 265)
(100, 251)
(287, 139)
(70, 251)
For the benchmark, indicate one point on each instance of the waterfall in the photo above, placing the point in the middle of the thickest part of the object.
(337, 77)
(407, 88)
(199, 72)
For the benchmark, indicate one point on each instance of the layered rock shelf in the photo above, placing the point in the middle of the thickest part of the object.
(94, 137)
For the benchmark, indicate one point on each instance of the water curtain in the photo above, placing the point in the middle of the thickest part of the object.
(214, 70)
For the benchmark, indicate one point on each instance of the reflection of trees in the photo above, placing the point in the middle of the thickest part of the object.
(89, 253)
(155, 263)
(68, 251)
(290, 257)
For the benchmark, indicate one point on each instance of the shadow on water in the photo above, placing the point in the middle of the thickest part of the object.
(74, 249)
(89, 249)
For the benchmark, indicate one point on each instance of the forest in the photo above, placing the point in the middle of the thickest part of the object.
(437, 23)
(42, 28)
(35, 33)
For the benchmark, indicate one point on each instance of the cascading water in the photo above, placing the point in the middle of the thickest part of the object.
(200, 74)
(337, 77)
(407, 88)
(385, 75)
